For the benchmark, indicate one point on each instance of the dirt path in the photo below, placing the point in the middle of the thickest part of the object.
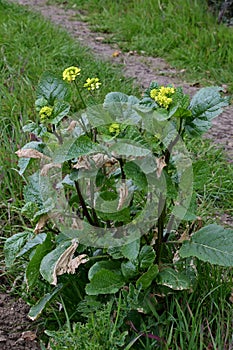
(143, 69)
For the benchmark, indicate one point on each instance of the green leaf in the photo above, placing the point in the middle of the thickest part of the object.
(134, 172)
(60, 110)
(105, 282)
(33, 267)
(129, 148)
(38, 239)
(13, 246)
(49, 261)
(37, 309)
(73, 149)
(129, 270)
(121, 107)
(147, 278)
(207, 103)
(146, 257)
(173, 279)
(131, 250)
(212, 243)
(52, 88)
(105, 264)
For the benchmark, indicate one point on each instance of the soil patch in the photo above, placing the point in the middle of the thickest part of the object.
(16, 330)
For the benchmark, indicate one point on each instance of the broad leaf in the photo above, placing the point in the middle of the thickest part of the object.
(134, 172)
(147, 278)
(173, 279)
(105, 264)
(131, 250)
(33, 267)
(129, 270)
(49, 261)
(207, 103)
(121, 107)
(129, 148)
(146, 257)
(38, 239)
(73, 149)
(37, 309)
(105, 282)
(14, 244)
(60, 110)
(52, 88)
(212, 243)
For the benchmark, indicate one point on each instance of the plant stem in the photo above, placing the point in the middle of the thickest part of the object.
(60, 140)
(83, 204)
(161, 219)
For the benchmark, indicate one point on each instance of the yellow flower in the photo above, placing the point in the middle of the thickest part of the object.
(92, 84)
(71, 73)
(162, 96)
(114, 129)
(45, 113)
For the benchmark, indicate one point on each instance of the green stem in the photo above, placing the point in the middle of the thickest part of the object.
(80, 95)
(83, 204)
(161, 220)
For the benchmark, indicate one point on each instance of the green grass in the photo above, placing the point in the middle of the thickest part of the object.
(183, 32)
(29, 46)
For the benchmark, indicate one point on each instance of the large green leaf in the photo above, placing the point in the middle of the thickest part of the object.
(129, 270)
(49, 261)
(121, 107)
(146, 257)
(105, 282)
(73, 149)
(134, 172)
(131, 250)
(37, 309)
(33, 267)
(38, 239)
(52, 88)
(60, 110)
(105, 264)
(147, 278)
(129, 148)
(212, 243)
(207, 103)
(14, 244)
(173, 279)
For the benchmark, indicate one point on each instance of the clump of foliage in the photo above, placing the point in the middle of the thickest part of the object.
(109, 193)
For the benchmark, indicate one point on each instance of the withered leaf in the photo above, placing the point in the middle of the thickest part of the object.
(66, 263)
(30, 153)
(160, 165)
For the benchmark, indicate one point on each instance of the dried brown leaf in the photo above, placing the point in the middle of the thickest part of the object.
(41, 223)
(67, 264)
(45, 169)
(160, 165)
(30, 153)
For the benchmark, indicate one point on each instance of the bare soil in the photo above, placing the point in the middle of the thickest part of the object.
(16, 330)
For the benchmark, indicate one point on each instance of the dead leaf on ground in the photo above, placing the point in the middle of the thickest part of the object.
(28, 335)
(116, 53)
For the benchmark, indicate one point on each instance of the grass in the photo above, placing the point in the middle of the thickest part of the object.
(29, 46)
(191, 39)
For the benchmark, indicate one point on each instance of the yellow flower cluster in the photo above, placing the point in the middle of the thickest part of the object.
(92, 84)
(114, 129)
(71, 73)
(45, 113)
(162, 96)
